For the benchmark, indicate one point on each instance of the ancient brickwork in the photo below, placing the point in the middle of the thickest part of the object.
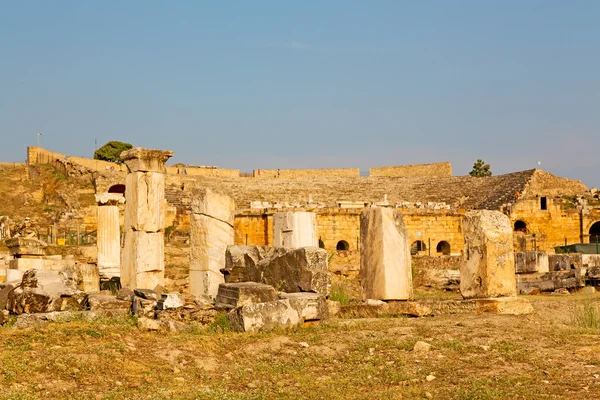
(307, 173)
(443, 169)
(203, 171)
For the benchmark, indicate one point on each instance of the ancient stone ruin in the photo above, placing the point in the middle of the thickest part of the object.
(385, 264)
(295, 229)
(211, 233)
(143, 262)
(109, 234)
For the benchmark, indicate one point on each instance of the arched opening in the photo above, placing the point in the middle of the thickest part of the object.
(117, 189)
(520, 226)
(342, 245)
(417, 246)
(595, 232)
(443, 247)
(321, 244)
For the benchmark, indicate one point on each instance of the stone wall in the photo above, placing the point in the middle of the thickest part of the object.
(39, 155)
(442, 169)
(306, 173)
(203, 171)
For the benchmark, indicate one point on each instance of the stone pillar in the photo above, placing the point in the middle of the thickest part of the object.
(211, 233)
(143, 258)
(295, 229)
(488, 266)
(108, 234)
(385, 264)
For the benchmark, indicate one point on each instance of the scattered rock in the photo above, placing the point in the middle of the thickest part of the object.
(371, 302)
(263, 316)
(531, 291)
(143, 307)
(304, 345)
(107, 302)
(147, 294)
(170, 300)
(561, 291)
(148, 324)
(429, 378)
(125, 294)
(421, 347)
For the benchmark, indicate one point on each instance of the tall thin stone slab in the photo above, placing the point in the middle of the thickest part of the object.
(488, 266)
(385, 265)
(295, 229)
(109, 234)
(211, 233)
(143, 258)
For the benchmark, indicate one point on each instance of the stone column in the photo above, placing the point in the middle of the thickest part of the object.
(295, 229)
(211, 233)
(488, 265)
(108, 234)
(143, 259)
(385, 264)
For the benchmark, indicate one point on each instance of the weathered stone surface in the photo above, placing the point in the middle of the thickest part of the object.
(505, 305)
(143, 307)
(146, 160)
(143, 260)
(232, 295)
(170, 300)
(110, 199)
(106, 302)
(295, 229)
(263, 316)
(488, 266)
(549, 282)
(148, 324)
(530, 262)
(209, 238)
(84, 277)
(333, 307)
(109, 241)
(13, 275)
(385, 265)
(310, 306)
(125, 294)
(5, 289)
(148, 294)
(288, 270)
(145, 195)
(214, 205)
(26, 246)
(407, 308)
(24, 263)
(201, 315)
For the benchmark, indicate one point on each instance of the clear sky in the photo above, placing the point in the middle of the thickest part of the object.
(308, 84)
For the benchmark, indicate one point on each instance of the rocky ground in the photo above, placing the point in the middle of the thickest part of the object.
(548, 354)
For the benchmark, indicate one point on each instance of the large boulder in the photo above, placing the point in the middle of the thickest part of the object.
(287, 270)
(264, 316)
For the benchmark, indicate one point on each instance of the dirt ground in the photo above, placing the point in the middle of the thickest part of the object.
(545, 355)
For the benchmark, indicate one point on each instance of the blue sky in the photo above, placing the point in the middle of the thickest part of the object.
(272, 84)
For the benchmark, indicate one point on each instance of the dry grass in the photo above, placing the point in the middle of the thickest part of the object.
(472, 357)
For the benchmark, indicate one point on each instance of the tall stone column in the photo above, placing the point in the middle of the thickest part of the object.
(385, 264)
(211, 232)
(488, 265)
(295, 229)
(143, 258)
(108, 234)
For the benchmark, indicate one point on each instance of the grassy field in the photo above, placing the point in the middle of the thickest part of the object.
(548, 355)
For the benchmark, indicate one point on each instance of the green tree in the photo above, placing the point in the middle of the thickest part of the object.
(111, 151)
(481, 169)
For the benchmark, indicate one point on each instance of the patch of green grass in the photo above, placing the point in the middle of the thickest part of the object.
(221, 324)
(586, 315)
(340, 293)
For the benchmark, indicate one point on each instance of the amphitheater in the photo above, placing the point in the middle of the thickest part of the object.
(547, 211)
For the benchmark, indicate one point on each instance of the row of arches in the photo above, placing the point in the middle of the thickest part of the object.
(594, 232)
(442, 247)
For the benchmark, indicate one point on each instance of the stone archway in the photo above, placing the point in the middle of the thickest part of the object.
(342, 245)
(119, 188)
(443, 247)
(520, 226)
(595, 232)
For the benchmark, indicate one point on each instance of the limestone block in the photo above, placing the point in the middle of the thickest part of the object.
(109, 198)
(295, 229)
(263, 316)
(170, 300)
(241, 262)
(385, 264)
(84, 277)
(288, 270)
(530, 262)
(146, 160)
(27, 263)
(109, 241)
(214, 205)
(107, 302)
(505, 305)
(488, 266)
(232, 295)
(143, 262)
(13, 275)
(209, 238)
(310, 306)
(26, 246)
(143, 307)
(145, 201)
